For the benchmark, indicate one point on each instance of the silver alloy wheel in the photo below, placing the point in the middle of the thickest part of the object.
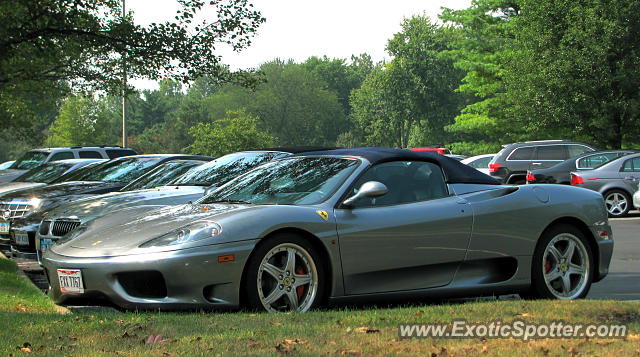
(287, 279)
(616, 203)
(565, 266)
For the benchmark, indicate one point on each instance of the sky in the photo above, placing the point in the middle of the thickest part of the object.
(299, 29)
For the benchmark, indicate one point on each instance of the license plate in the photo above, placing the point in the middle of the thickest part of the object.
(4, 227)
(22, 238)
(70, 281)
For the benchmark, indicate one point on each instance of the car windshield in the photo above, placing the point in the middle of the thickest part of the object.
(122, 170)
(293, 181)
(162, 175)
(73, 175)
(30, 160)
(225, 168)
(46, 173)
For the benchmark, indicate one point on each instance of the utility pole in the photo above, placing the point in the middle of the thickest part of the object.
(124, 91)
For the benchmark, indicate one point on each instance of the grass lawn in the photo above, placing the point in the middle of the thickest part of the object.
(32, 325)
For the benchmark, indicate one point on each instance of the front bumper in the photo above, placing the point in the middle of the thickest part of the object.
(25, 247)
(193, 278)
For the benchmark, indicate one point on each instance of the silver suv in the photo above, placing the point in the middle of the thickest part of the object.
(34, 158)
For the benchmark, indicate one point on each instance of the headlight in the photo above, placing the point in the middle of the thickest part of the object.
(35, 203)
(189, 233)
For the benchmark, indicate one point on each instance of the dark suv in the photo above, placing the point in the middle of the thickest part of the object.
(511, 164)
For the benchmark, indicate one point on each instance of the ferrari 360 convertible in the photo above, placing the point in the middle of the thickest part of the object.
(347, 224)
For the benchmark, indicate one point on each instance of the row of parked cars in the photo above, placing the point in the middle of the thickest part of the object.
(613, 173)
(285, 229)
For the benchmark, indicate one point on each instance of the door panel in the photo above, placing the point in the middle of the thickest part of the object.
(630, 174)
(404, 246)
(548, 155)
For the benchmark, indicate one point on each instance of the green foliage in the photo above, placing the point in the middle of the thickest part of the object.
(410, 100)
(339, 76)
(88, 41)
(82, 120)
(576, 70)
(236, 132)
(482, 47)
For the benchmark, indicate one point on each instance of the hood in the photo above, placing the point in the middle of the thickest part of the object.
(123, 231)
(93, 207)
(18, 186)
(54, 195)
(10, 175)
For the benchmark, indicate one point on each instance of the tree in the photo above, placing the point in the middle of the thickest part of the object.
(576, 70)
(236, 132)
(296, 107)
(340, 76)
(412, 98)
(88, 41)
(82, 120)
(482, 48)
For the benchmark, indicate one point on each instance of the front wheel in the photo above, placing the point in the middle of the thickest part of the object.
(284, 275)
(562, 264)
(617, 203)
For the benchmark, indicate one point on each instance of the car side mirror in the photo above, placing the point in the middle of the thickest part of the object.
(369, 189)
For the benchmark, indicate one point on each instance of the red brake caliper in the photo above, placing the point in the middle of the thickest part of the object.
(299, 289)
(547, 266)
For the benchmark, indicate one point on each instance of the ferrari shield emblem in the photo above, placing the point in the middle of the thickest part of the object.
(96, 243)
(323, 214)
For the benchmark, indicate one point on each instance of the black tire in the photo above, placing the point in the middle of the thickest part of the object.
(542, 268)
(285, 240)
(612, 196)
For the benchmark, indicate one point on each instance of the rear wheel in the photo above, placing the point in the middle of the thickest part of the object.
(617, 203)
(284, 274)
(562, 264)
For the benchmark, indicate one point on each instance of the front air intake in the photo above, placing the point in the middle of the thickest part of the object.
(143, 284)
(62, 227)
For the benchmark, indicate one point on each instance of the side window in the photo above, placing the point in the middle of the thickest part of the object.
(406, 181)
(525, 153)
(632, 165)
(551, 152)
(89, 154)
(481, 163)
(65, 155)
(112, 154)
(593, 161)
(575, 150)
(628, 166)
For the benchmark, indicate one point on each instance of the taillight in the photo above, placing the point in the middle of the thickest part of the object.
(576, 180)
(530, 177)
(494, 167)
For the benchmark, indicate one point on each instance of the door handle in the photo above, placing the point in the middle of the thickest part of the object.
(536, 163)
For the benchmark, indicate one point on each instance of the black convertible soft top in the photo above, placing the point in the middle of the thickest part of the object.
(454, 171)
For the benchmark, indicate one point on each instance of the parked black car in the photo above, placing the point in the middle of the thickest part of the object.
(511, 164)
(561, 173)
(46, 174)
(24, 209)
(36, 157)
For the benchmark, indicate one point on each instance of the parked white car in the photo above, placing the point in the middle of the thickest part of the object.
(479, 162)
(636, 197)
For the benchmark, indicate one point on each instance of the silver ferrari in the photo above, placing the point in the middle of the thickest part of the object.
(340, 225)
